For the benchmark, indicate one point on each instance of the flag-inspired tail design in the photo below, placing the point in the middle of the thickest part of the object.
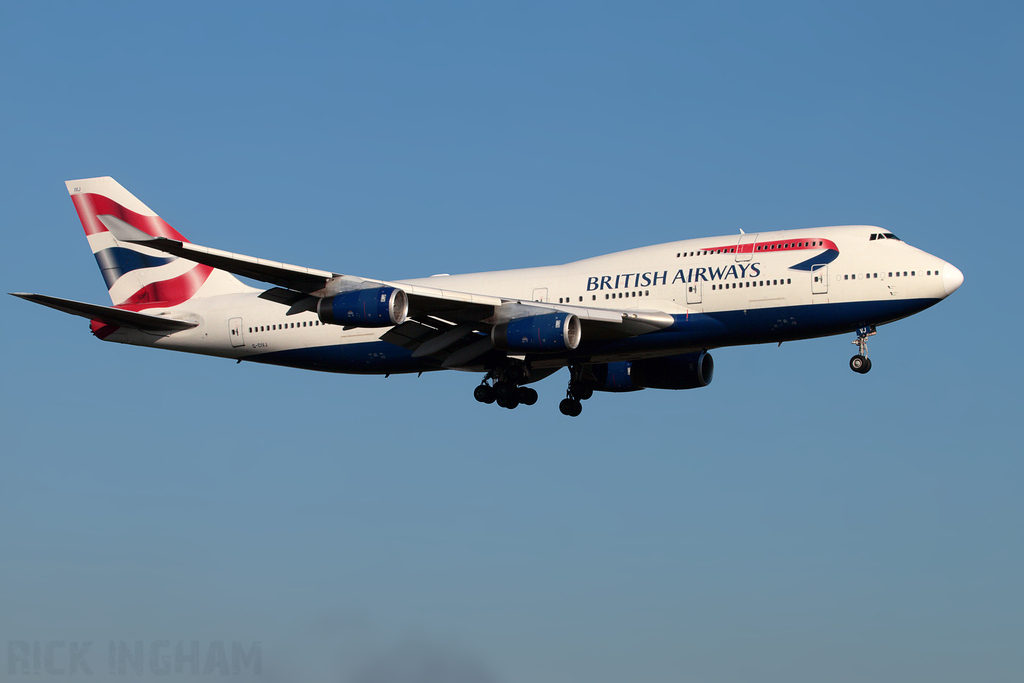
(138, 277)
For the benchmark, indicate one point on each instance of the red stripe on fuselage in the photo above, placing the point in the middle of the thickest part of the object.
(89, 206)
(774, 246)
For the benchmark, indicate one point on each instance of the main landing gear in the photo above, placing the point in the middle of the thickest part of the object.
(861, 363)
(579, 390)
(504, 388)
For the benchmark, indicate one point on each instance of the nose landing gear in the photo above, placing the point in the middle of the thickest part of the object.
(861, 363)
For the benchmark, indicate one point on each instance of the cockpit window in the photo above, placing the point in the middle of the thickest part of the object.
(890, 236)
(885, 236)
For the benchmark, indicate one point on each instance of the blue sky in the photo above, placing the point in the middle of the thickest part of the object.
(791, 522)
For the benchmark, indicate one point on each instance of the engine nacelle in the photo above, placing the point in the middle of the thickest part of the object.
(685, 371)
(551, 332)
(378, 307)
(614, 377)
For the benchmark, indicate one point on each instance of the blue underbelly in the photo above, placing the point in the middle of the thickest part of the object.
(694, 331)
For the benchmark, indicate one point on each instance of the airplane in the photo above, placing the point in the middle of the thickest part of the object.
(644, 318)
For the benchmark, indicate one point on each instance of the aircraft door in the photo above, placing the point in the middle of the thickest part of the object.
(693, 292)
(819, 279)
(745, 247)
(235, 332)
(540, 294)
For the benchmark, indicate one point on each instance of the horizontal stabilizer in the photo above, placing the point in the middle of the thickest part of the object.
(107, 314)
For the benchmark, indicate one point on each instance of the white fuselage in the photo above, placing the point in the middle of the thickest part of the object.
(736, 289)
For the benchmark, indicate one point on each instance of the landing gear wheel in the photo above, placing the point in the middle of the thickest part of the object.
(504, 391)
(484, 394)
(861, 363)
(526, 396)
(581, 390)
(509, 403)
(570, 407)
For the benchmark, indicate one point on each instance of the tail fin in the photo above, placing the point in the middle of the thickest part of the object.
(136, 276)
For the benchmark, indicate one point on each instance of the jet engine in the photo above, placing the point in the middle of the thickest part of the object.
(551, 332)
(685, 371)
(378, 307)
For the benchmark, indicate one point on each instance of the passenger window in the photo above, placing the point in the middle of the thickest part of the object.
(789, 281)
(913, 272)
(846, 277)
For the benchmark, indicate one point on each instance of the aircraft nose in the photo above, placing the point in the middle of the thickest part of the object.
(952, 278)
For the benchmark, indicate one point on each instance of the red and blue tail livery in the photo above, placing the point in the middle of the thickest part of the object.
(136, 275)
(646, 318)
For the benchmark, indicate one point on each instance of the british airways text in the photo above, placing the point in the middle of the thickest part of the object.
(654, 278)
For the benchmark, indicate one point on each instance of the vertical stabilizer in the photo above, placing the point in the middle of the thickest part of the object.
(136, 276)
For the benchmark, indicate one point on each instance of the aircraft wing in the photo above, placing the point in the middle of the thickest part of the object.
(447, 325)
(298, 278)
(107, 314)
